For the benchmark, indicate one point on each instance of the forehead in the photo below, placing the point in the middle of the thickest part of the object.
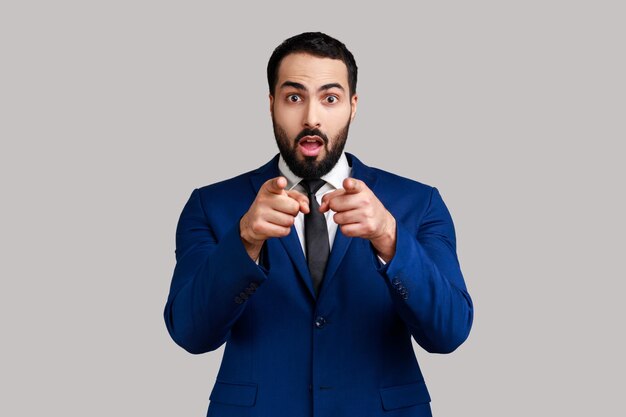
(312, 70)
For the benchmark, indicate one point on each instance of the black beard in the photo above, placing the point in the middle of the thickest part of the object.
(310, 168)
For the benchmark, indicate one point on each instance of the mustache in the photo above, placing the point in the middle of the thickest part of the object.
(311, 132)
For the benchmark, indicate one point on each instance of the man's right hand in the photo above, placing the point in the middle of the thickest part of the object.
(271, 214)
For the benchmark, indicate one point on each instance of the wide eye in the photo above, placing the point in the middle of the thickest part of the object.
(294, 98)
(331, 99)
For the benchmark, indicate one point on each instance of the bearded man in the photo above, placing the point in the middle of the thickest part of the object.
(316, 269)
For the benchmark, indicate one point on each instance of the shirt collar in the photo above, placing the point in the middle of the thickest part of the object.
(334, 177)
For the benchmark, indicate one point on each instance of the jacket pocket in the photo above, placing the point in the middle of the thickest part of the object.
(242, 394)
(406, 395)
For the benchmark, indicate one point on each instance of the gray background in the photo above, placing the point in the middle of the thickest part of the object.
(112, 112)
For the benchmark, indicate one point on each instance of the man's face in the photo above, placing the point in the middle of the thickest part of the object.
(311, 112)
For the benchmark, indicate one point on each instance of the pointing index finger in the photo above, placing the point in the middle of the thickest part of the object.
(352, 185)
(276, 185)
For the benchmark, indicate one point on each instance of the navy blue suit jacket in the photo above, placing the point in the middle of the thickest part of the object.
(345, 352)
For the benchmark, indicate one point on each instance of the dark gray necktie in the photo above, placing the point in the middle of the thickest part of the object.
(315, 234)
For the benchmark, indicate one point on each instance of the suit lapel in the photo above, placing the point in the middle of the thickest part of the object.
(291, 243)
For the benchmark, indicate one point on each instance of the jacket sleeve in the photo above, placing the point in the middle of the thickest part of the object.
(426, 282)
(212, 281)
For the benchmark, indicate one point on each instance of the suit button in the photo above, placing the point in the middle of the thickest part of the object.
(403, 290)
(405, 296)
(238, 300)
(320, 322)
(396, 282)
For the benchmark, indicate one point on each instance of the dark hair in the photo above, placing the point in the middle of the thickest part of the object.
(317, 44)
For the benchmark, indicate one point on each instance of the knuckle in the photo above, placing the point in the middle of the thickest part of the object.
(256, 228)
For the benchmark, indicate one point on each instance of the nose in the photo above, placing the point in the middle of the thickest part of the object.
(311, 115)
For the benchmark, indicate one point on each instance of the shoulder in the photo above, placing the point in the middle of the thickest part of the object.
(240, 184)
(383, 179)
(390, 178)
(398, 191)
(233, 183)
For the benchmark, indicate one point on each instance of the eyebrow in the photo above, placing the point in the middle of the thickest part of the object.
(299, 86)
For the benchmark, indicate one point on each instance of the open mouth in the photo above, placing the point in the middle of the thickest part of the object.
(310, 145)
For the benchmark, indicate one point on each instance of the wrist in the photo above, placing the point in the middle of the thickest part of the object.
(252, 246)
(385, 243)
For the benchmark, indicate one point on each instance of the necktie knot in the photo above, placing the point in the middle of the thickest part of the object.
(312, 186)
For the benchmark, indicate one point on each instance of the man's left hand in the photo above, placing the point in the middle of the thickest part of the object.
(360, 213)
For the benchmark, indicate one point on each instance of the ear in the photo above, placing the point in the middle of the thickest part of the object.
(353, 101)
(271, 104)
